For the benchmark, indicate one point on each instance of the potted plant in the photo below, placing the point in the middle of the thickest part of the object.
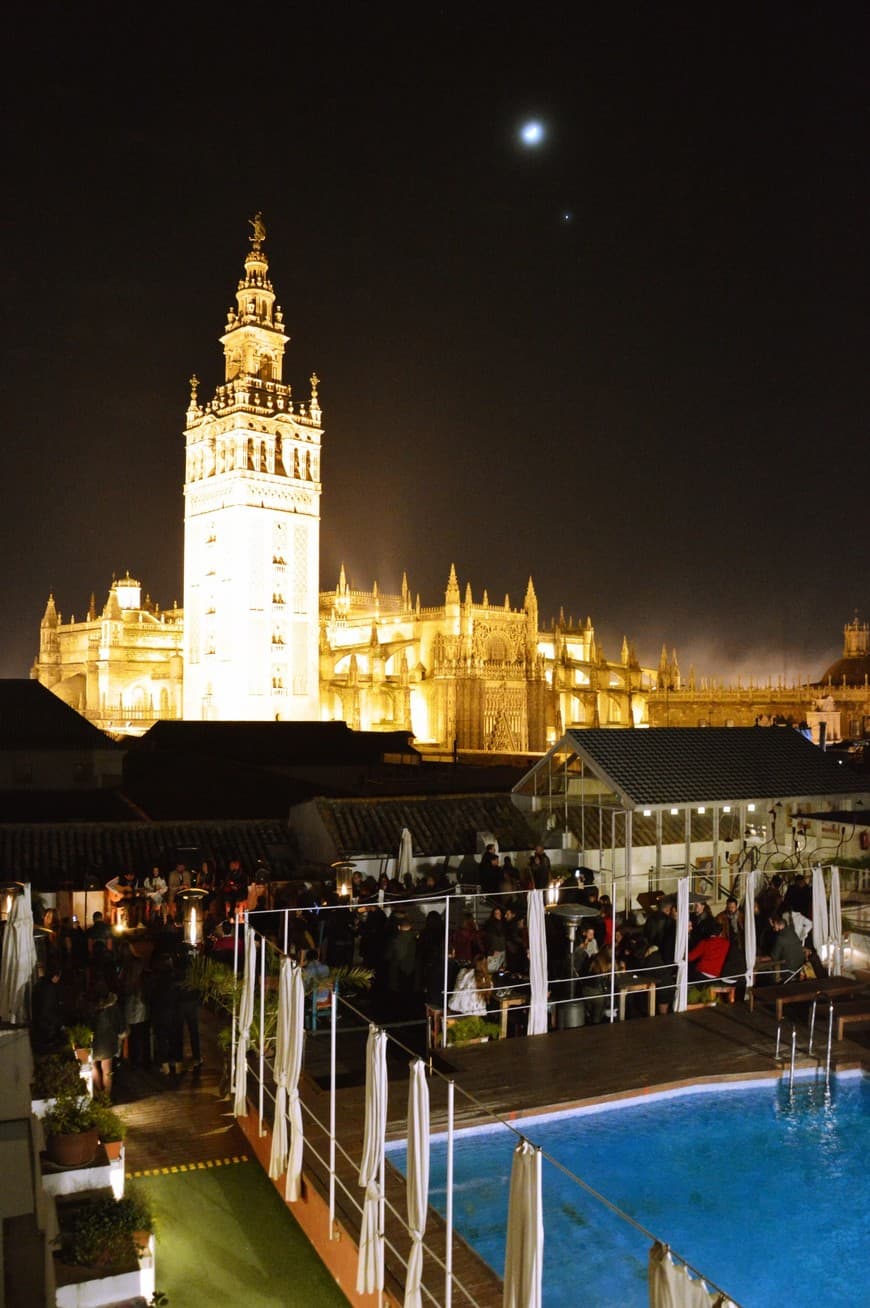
(98, 1235)
(138, 1214)
(111, 1126)
(81, 1037)
(71, 1130)
(54, 1075)
(471, 1030)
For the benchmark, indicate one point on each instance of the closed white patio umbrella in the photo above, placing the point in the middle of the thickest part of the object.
(246, 1017)
(681, 949)
(835, 926)
(405, 857)
(750, 942)
(293, 1184)
(820, 910)
(524, 1248)
(370, 1265)
(19, 961)
(670, 1285)
(537, 964)
(417, 1188)
(281, 1071)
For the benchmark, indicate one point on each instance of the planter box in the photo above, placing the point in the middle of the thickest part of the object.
(83, 1287)
(100, 1287)
(100, 1174)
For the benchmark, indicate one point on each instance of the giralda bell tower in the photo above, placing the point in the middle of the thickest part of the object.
(252, 524)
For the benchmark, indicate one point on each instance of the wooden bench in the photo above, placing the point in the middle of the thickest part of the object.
(803, 992)
(858, 1010)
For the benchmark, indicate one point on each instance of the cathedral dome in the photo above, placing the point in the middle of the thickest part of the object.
(856, 671)
(854, 665)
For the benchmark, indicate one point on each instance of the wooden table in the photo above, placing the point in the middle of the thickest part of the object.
(803, 992)
(508, 1002)
(633, 987)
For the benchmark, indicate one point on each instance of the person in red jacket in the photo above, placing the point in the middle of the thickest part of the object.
(707, 958)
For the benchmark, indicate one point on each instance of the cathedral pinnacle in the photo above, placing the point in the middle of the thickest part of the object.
(451, 595)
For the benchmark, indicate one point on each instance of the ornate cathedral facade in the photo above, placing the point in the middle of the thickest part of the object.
(256, 640)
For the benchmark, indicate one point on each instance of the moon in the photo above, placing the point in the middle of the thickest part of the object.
(532, 132)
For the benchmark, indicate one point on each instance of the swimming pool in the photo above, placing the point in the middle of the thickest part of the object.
(763, 1192)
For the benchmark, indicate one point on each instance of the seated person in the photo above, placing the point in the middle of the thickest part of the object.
(473, 989)
(707, 958)
(314, 973)
(787, 948)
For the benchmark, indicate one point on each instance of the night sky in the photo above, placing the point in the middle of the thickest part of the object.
(630, 360)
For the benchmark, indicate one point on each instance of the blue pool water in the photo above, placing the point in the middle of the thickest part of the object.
(765, 1194)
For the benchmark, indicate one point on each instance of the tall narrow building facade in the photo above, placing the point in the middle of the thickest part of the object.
(252, 524)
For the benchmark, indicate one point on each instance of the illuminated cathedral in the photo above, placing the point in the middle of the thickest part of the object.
(256, 639)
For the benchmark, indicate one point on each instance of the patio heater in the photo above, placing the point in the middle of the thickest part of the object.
(9, 890)
(343, 870)
(192, 913)
(572, 1014)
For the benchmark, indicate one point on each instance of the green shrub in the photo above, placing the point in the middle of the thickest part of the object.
(109, 1123)
(71, 1114)
(472, 1028)
(56, 1074)
(80, 1035)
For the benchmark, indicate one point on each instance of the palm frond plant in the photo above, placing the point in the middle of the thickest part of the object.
(222, 989)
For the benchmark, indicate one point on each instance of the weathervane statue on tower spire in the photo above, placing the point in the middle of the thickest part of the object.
(259, 230)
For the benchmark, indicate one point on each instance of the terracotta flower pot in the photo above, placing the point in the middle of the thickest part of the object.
(83, 1054)
(141, 1240)
(73, 1150)
(113, 1148)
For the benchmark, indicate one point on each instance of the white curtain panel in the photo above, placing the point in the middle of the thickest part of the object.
(246, 1017)
(281, 1071)
(293, 1186)
(750, 942)
(417, 1188)
(835, 925)
(820, 910)
(670, 1285)
(370, 1265)
(524, 1249)
(681, 949)
(537, 964)
(19, 962)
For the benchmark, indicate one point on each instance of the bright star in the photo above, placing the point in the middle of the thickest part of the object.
(532, 132)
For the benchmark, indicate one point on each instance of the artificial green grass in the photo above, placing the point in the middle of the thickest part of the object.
(224, 1236)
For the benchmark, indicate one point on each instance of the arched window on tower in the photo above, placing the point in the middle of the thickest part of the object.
(251, 455)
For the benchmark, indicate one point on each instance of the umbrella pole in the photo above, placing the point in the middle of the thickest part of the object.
(613, 948)
(260, 1129)
(446, 957)
(448, 1216)
(332, 1114)
(234, 1028)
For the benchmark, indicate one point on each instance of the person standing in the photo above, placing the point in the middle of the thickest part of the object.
(108, 1033)
(539, 867)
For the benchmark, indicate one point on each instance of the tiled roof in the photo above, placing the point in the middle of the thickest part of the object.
(438, 825)
(51, 853)
(673, 765)
(277, 743)
(32, 718)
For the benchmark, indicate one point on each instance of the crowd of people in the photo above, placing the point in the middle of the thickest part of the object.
(144, 1010)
